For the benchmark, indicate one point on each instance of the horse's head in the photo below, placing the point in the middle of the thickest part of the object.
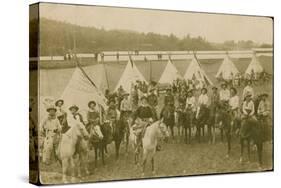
(82, 131)
(96, 132)
(163, 129)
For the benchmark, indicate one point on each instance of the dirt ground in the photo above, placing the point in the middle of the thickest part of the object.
(175, 159)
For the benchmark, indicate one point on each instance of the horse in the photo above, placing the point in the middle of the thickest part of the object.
(251, 130)
(100, 142)
(68, 148)
(201, 120)
(168, 115)
(188, 123)
(223, 118)
(153, 132)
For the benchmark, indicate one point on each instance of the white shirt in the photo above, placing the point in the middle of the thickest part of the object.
(234, 102)
(203, 99)
(248, 106)
(248, 90)
(224, 95)
(190, 102)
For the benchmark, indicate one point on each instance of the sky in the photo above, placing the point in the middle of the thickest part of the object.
(213, 27)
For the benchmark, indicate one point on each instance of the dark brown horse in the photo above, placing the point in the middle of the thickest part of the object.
(188, 124)
(202, 120)
(251, 131)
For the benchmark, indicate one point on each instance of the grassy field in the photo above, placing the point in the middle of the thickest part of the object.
(176, 159)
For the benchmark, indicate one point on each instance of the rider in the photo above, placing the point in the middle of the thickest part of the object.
(152, 100)
(224, 93)
(248, 90)
(50, 129)
(263, 113)
(234, 105)
(169, 98)
(75, 114)
(142, 118)
(202, 101)
(112, 113)
(61, 115)
(93, 118)
(126, 105)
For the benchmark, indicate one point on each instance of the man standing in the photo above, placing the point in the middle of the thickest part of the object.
(50, 129)
(214, 104)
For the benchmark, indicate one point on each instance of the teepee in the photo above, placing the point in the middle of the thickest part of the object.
(227, 69)
(170, 74)
(98, 74)
(254, 66)
(196, 73)
(80, 90)
(129, 77)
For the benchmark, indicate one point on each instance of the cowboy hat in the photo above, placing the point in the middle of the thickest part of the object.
(204, 89)
(143, 97)
(91, 102)
(51, 108)
(264, 95)
(74, 107)
(60, 100)
(223, 84)
(126, 94)
(214, 87)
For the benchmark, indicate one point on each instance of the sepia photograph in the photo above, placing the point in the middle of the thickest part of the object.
(127, 93)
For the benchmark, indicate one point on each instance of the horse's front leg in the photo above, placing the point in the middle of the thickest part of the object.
(152, 166)
(144, 162)
(65, 166)
(249, 148)
(117, 148)
(241, 149)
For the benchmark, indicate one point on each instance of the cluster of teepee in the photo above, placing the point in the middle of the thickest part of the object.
(91, 85)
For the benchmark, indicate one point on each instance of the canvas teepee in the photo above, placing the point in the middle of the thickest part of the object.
(129, 77)
(227, 69)
(170, 74)
(196, 73)
(254, 66)
(80, 90)
(98, 74)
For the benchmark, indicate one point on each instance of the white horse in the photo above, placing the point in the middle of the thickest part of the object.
(68, 148)
(152, 133)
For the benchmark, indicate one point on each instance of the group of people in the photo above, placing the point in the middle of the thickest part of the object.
(147, 109)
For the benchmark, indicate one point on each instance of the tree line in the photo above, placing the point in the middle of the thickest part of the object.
(57, 38)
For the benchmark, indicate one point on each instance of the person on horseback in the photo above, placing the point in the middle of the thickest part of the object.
(61, 115)
(224, 93)
(93, 118)
(126, 106)
(75, 114)
(248, 115)
(214, 104)
(190, 101)
(142, 118)
(263, 114)
(152, 100)
(248, 90)
(50, 129)
(112, 114)
(203, 101)
(169, 98)
(234, 106)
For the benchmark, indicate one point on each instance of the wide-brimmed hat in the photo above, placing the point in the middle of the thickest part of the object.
(223, 84)
(51, 108)
(152, 89)
(74, 107)
(214, 87)
(143, 97)
(204, 89)
(60, 100)
(91, 102)
(126, 94)
(248, 95)
(264, 95)
(234, 89)
(189, 91)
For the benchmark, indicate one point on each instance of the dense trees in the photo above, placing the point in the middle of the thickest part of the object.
(57, 38)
